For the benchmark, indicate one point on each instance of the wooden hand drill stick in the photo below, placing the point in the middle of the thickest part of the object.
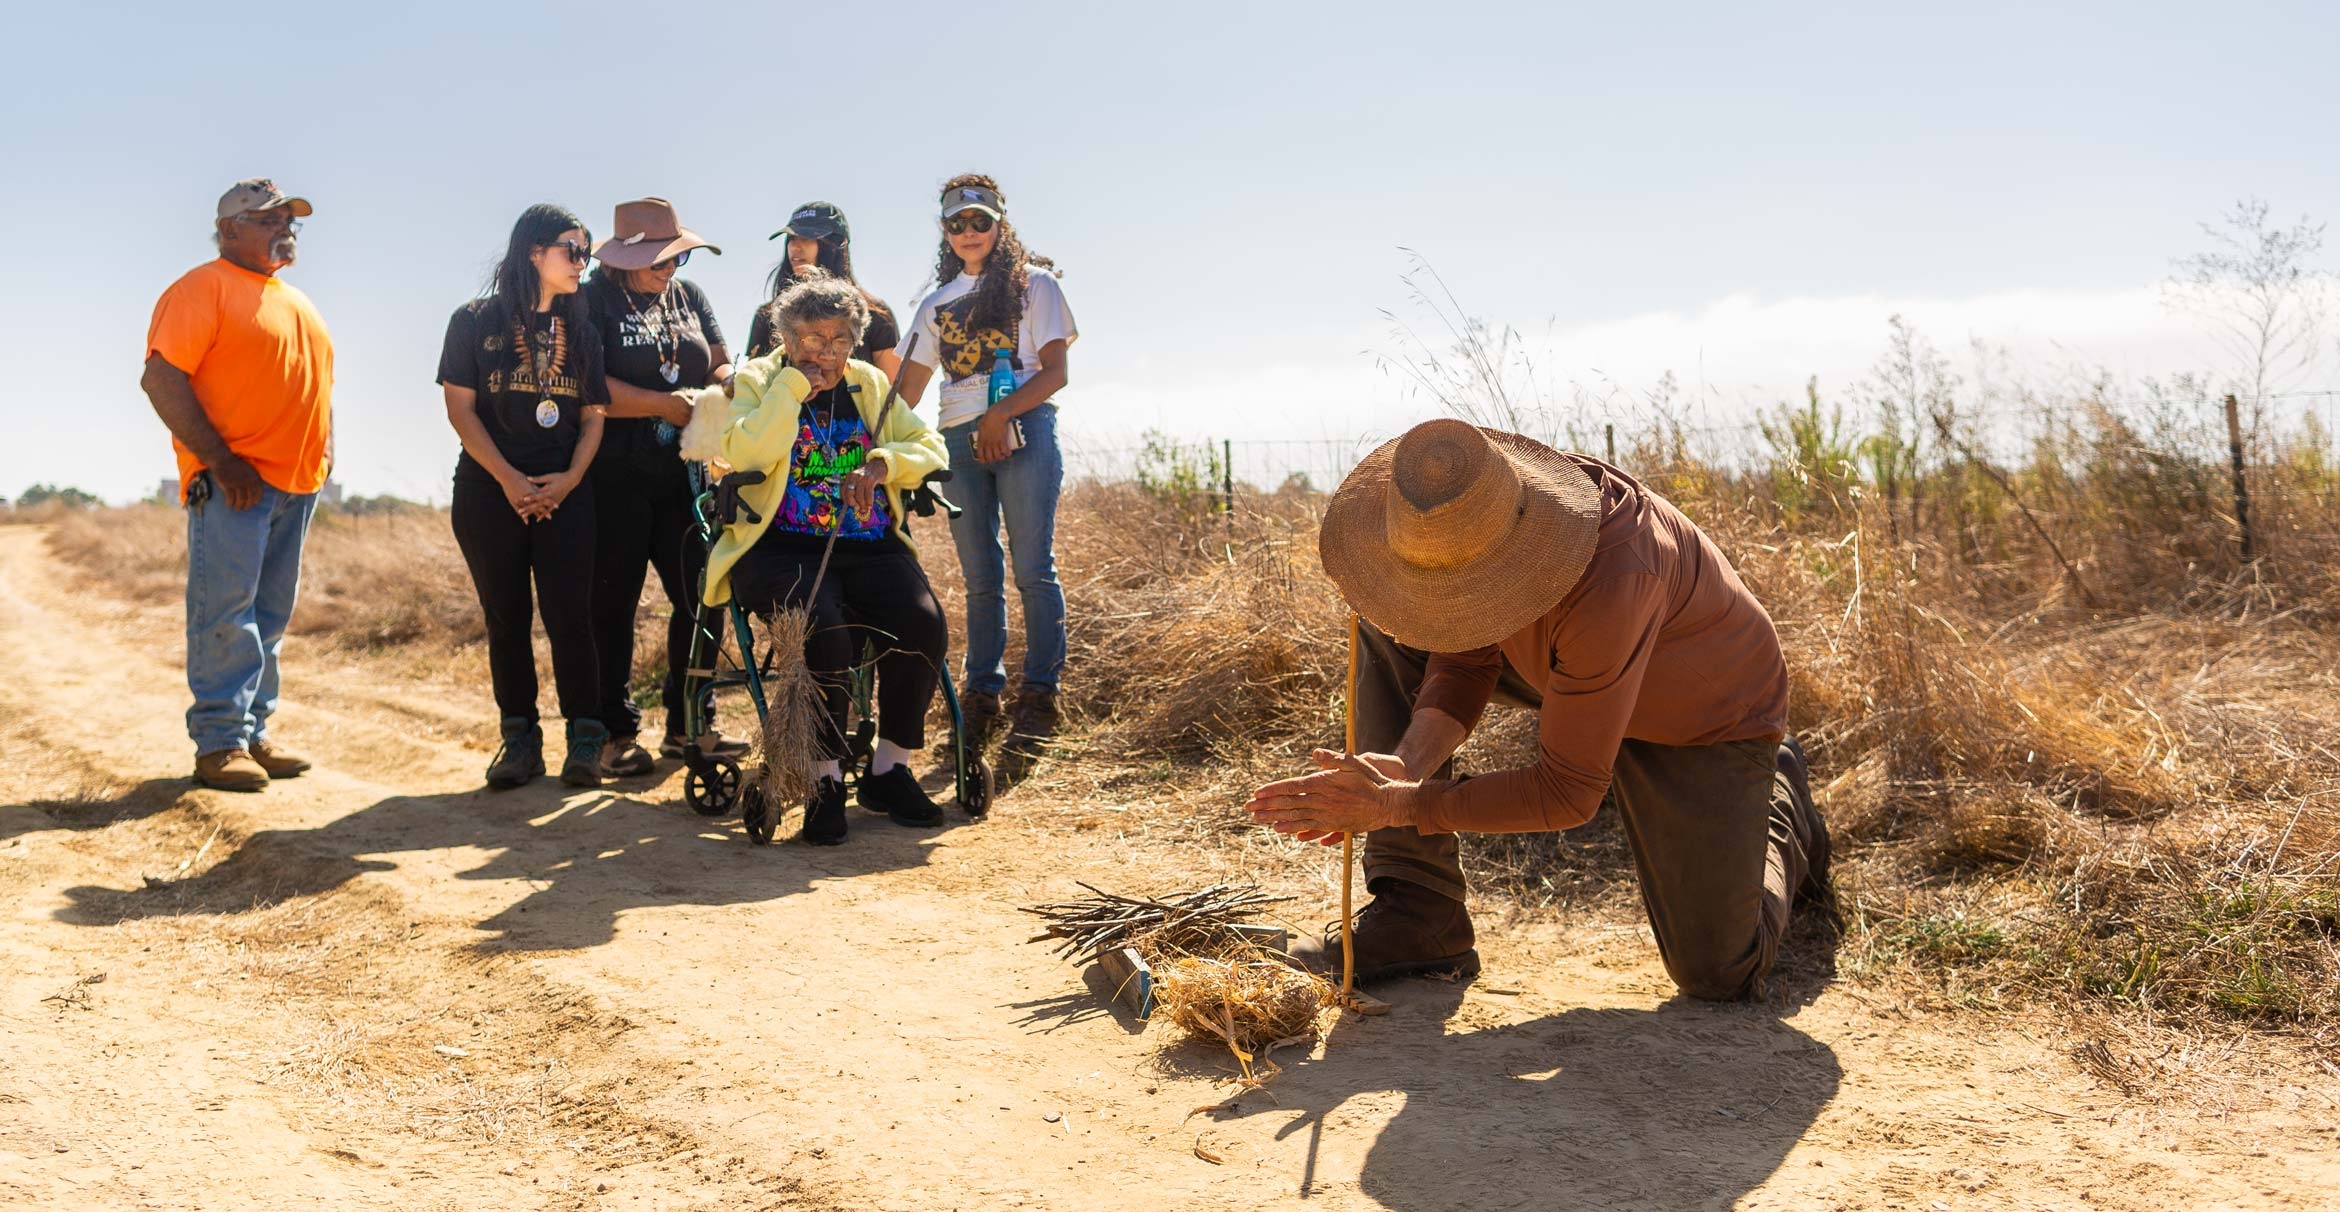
(1349, 841)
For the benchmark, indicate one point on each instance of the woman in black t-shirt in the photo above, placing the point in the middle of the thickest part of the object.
(522, 373)
(659, 337)
(818, 236)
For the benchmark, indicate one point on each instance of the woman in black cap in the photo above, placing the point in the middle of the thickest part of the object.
(818, 236)
(659, 338)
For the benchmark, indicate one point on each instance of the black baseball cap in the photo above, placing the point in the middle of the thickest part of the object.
(816, 221)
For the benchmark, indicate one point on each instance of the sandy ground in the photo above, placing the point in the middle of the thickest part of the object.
(380, 986)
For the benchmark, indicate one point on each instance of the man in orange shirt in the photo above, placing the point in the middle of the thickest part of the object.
(1487, 565)
(239, 366)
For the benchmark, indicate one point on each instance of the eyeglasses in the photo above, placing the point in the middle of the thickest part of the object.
(958, 224)
(283, 221)
(842, 347)
(677, 261)
(578, 253)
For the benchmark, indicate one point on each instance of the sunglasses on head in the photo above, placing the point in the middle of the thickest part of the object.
(677, 261)
(960, 223)
(578, 253)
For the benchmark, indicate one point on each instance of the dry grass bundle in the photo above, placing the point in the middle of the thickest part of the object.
(1249, 1000)
(794, 715)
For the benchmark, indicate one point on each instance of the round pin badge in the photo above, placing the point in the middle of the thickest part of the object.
(548, 414)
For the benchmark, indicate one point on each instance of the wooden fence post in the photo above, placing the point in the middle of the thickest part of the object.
(1612, 432)
(2242, 492)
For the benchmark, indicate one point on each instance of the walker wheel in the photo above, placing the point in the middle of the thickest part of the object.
(712, 786)
(975, 789)
(755, 811)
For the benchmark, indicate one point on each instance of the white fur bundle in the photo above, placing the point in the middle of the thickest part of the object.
(702, 439)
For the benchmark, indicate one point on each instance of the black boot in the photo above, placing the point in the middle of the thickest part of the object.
(521, 758)
(586, 740)
(624, 758)
(1405, 930)
(824, 814)
(897, 794)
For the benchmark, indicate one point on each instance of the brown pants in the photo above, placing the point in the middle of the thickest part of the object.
(1719, 833)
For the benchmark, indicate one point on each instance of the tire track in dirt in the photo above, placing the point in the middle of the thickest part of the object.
(641, 1000)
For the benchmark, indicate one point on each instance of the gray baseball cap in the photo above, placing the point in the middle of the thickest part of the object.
(972, 197)
(257, 194)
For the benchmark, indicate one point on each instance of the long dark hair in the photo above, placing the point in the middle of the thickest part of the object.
(516, 282)
(999, 298)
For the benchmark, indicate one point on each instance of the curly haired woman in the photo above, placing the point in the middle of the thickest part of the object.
(993, 294)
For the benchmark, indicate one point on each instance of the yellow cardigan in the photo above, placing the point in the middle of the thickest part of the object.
(761, 436)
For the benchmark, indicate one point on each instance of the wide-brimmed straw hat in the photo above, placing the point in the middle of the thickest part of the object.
(645, 232)
(1454, 537)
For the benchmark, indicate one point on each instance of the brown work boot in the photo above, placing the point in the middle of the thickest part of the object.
(1817, 889)
(278, 761)
(1034, 720)
(230, 770)
(1405, 930)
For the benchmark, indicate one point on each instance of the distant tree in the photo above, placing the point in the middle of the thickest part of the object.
(2259, 291)
(71, 498)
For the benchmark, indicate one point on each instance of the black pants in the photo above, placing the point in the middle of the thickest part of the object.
(642, 510)
(503, 553)
(875, 593)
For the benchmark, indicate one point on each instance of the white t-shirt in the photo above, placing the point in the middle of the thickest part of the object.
(964, 357)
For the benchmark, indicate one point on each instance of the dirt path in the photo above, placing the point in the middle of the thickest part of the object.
(379, 986)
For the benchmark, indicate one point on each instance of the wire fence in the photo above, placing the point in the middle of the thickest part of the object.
(2001, 430)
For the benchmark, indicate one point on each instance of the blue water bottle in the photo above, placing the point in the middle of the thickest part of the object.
(1003, 384)
(1003, 376)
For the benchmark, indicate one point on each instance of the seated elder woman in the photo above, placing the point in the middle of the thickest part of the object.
(805, 416)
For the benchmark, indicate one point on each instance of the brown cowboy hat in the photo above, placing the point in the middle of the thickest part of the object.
(1453, 537)
(646, 232)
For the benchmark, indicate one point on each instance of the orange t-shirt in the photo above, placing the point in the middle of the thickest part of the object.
(262, 366)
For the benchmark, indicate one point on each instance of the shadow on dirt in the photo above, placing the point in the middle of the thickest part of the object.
(588, 857)
(93, 809)
(1687, 1105)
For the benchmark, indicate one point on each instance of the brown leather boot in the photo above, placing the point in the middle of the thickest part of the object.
(1817, 888)
(278, 761)
(230, 770)
(1405, 930)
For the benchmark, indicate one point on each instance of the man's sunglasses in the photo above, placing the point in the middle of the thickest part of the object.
(578, 253)
(958, 224)
(283, 222)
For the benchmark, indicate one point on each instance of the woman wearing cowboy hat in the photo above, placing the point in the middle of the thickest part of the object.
(659, 337)
(1485, 564)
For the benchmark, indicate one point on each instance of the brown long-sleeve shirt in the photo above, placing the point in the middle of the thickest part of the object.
(1659, 641)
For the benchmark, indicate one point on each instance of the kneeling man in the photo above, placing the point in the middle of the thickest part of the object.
(1484, 564)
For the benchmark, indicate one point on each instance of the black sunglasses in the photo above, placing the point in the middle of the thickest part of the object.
(959, 223)
(578, 253)
(678, 260)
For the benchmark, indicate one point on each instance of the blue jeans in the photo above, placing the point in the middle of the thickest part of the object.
(243, 571)
(1023, 488)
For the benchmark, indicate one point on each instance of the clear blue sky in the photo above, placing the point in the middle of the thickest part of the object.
(1226, 186)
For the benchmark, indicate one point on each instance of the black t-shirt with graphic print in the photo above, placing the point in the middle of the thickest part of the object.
(482, 353)
(632, 345)
(881, 336)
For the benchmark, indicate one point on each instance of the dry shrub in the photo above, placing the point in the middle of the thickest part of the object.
(1213, 638)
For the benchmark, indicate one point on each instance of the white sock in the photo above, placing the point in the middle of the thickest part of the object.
(828, 770)
(888, 755)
